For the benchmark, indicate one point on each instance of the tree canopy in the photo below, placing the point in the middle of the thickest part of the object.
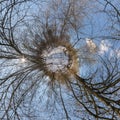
(59, 59)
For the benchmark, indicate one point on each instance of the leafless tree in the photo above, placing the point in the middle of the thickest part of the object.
(42, 54)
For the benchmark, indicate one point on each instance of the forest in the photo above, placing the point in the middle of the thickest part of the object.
(59, 60)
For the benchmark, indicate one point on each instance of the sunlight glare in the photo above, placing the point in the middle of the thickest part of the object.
(23, 60)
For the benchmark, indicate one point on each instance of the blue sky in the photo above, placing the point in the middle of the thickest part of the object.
(96, 26)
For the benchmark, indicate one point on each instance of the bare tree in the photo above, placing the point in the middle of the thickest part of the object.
(42, 54)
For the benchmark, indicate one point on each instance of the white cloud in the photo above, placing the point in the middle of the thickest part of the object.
(91, 46)
(103, 47)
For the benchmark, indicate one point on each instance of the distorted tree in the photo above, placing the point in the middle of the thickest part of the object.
(41, 56)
